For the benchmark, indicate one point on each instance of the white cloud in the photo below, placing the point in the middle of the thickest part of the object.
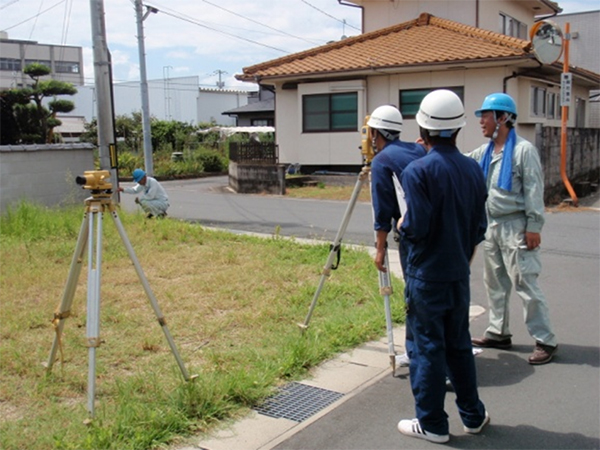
(206, 37)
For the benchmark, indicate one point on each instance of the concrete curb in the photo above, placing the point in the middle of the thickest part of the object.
(349, 373)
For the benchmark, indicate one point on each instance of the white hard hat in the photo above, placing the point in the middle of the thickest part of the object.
(441, 110)
(386, 117)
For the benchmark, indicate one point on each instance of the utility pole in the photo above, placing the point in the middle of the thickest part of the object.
(146, 130)
(167, 91)
(220, 84)
(102, 80)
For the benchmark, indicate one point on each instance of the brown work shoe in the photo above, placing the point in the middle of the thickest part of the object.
(542, 354)
(504, 344)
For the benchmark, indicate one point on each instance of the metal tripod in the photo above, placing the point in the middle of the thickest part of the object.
(385, 286)
(95, 208)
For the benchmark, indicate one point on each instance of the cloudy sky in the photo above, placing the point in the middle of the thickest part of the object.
(194, 37)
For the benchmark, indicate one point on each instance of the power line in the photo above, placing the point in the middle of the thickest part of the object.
(35, 23)
(196, 22)
(329, 15)
(8, 4)
(36, 16)
(259, 23)
(66, 22)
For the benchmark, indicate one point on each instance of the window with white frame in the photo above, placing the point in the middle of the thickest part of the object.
(512, 27)
(538, 101)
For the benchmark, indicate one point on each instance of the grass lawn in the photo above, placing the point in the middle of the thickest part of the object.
(231, 303)
(322, 192)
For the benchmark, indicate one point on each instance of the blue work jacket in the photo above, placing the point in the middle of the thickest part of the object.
(393, 158)
(445, 219)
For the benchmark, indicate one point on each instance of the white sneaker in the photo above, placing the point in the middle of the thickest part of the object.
(486, 420)
(402, 360)
(413, 428)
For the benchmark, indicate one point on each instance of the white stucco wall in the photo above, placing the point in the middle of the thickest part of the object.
(340, 148)
(380, 14)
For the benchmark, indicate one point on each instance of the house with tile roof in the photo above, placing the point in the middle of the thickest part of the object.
(322, 95)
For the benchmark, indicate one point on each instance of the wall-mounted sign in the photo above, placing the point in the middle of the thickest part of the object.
(547, 41)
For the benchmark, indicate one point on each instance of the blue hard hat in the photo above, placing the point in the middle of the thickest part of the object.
(498, 102)
(138, 174)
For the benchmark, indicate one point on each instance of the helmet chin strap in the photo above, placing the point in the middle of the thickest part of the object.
(495, 134)
(374, 145)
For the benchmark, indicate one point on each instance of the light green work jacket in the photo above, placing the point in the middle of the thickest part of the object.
(526, 199)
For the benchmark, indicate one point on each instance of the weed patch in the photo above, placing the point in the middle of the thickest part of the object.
(231, 303)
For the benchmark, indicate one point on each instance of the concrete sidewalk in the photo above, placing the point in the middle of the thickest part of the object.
(348, 374)
(522, 399)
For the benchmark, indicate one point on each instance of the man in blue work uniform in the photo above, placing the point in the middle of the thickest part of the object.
(391, 157)
(445, 219)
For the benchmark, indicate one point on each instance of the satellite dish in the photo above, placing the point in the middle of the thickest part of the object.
(547, 41)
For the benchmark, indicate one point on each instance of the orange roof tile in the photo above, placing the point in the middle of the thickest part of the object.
(422, 41)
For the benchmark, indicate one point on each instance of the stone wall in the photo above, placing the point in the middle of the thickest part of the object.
(583, 159)
(43, 174)
(246, 178)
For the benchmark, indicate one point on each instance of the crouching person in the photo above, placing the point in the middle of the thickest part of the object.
(153, 199)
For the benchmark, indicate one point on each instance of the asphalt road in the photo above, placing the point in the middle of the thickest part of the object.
(208, 202)
(554, 406)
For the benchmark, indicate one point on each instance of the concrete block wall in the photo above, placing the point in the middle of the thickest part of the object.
(257, 178)
(583, 158)
(43, 174)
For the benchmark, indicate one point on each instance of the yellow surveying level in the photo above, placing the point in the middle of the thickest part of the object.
(366, 146)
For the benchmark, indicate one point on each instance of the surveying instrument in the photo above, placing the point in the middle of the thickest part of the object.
(98, 183)
(385, 285)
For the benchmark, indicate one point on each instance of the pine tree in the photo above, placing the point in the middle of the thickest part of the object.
(34, 122)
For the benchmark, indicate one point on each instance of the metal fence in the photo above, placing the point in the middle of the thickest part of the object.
(254, 152)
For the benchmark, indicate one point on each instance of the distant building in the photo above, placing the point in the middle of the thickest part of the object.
(178, 99)
(584, 51)
(64, 61)
(259, 112)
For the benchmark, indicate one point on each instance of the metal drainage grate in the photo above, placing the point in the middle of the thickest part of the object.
(297, 401)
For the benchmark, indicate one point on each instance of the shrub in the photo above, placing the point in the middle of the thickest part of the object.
(211, 160)
(128, 162)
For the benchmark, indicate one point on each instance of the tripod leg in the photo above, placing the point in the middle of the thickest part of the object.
(385, 288)
(149, 293)
(335, 247)
(93, 305)
(64, 309)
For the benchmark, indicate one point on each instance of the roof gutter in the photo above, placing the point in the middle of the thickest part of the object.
(505, 80)
(362, 12)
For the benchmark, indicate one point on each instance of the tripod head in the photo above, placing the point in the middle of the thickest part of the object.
(97, 181)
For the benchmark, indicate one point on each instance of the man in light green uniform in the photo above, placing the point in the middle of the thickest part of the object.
(515, 209)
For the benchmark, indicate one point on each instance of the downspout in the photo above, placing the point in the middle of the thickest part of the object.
(362, 12)
(505, 80)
